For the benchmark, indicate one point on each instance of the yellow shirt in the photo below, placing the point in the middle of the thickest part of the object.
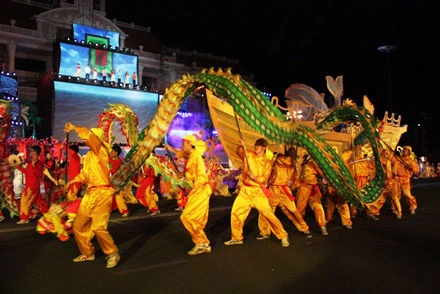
(309, 173)
(195, 171)
(260, 167)
(404, 171)
(282, 173)
(95, 170)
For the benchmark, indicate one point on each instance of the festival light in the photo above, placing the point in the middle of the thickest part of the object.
(296, 115)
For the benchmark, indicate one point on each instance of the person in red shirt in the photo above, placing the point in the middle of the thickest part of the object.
(145, 192)
(115, 162)
(33, 172)
(73, 169)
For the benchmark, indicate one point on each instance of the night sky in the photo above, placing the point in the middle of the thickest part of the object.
(287, 42)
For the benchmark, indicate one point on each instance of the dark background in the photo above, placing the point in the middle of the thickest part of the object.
(287, 42)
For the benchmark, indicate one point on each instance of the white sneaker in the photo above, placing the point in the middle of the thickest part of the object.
(324, 231)
(412, 211)
(22, 222)
(2, 218)
(153, 213)
(262, 237)
(81, 258)
(308, 234)
(200, 249)
(112, 260)
(233, 242)
(285, 242)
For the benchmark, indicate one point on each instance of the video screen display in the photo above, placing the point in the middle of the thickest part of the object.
(81, 32)
(81, 104)
(74, 56)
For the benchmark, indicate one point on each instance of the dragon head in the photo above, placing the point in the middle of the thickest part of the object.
(5, 119)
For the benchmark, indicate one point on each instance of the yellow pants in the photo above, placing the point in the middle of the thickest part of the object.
(92, 220)
(195, 215)
(403, 187)
(377, 205)
(279, 198)
(120, 202)
(253, 197)
(336, 201)
(304, 195)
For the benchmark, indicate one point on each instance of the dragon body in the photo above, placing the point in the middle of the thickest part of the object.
(265, 118)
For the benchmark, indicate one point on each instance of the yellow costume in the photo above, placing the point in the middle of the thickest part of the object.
(195, 215)
(336, 201)
(404, 168)
(388, 166)
(283, 174)
(96, 205)
(362, 169)
(254, 194)
(309, 193)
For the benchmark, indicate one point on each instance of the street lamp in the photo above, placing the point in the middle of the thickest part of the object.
(387, 49)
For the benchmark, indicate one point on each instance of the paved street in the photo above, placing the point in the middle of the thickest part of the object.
(386, 256)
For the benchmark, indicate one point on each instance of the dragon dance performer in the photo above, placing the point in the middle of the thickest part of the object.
(195, 215)
(33, 172)
(309, 193)
(96, 205)
(362, 170)
(404, 168)
(336, 201)
(254, 194)
(280, 181)
(388, 166)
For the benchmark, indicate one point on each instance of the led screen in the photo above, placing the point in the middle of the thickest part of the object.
(81, 104)
(73, 55)
(81, 32)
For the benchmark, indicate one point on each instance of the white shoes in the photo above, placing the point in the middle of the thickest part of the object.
(233, 242)
(113, 260)
(81, 258)
(285, 242)
(200, 249)
(324, 231)
(22, 222)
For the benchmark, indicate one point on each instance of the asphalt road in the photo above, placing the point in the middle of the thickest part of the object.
(385, 256)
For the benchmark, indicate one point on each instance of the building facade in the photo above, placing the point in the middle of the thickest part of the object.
(29, 31)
